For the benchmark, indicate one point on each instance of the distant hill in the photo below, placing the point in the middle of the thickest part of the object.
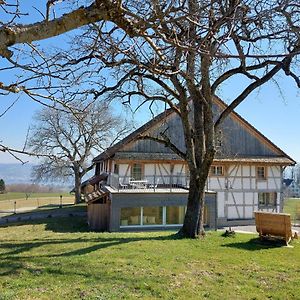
(16, 173)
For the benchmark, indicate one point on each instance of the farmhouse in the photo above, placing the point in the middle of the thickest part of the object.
(140, 184)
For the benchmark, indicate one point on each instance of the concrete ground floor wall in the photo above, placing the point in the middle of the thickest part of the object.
(166, 201)
(132, 200)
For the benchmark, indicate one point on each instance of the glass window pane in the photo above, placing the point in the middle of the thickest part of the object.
(216, 170)
(152, 215)
(272, 199)
(267, 199)
(175, 214)
(130, 216)
(261, 199)
(261, 172)
(116, 169)
(136, 171)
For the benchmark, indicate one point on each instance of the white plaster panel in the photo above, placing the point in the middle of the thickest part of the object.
(230, 199)
(274, 171)
(163, 168)
(221, 204)
(246, 183)
(122, 169)
(241, 212)
(233, 212)
(256, 199)
(248, 198)
(236, 183)
(238, 196)
(237, 171)
(253, 174)
(261, 184)
(179, 169)
(235, 198)
(255, 208)
(272, 184)
(149, 169)
(231, 170)
(221, 182)
(216, 183)
(249, 213)
(246, 170)
(253, 183)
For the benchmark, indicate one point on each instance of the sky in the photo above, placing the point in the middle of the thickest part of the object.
(274, 112)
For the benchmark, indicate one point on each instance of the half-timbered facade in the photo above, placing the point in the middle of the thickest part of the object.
(148, 184)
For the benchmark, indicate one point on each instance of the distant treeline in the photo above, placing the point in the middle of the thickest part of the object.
(34, 188)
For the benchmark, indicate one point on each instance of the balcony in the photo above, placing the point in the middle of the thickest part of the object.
(149, 183)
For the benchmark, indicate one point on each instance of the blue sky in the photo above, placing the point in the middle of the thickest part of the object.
(276, 115)
(272, 111)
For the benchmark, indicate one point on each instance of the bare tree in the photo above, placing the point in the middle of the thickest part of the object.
(176, 52)
(69, 139)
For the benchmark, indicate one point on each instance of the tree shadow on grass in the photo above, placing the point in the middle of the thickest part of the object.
(13, 253)
(73, 225)
(257, 244)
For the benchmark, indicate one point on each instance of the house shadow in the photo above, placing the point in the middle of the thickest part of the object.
(255, 244)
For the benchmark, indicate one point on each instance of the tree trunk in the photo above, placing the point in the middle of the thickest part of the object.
(77, 187)
(193, 221)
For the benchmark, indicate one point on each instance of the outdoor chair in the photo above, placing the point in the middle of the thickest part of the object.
(154, 185)
(122, 185)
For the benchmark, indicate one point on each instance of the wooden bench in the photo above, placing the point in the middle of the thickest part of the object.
(274, 224)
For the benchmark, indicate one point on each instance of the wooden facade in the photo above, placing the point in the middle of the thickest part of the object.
(246, 173)
(98, 216)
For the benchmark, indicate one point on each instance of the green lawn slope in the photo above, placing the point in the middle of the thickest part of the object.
(60, 259)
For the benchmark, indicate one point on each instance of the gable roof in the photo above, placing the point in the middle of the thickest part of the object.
(108, 153)
(282, 157)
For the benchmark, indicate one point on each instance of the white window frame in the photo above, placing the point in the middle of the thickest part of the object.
(214, 170)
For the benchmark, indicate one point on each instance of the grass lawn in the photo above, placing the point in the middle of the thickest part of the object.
(7, 201)
(61, 259)
(22, 195)
(292, 206)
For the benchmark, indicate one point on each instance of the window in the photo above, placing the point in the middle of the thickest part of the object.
(267, 199)
(116, 169)
(261, 173)
(175, 214)
(130, 216)
(136, 171)
(216, 170)
(152, 215)
(137, 216)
